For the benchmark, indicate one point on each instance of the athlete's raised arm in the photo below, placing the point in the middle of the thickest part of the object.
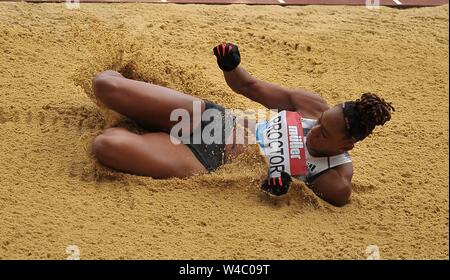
(270, 95)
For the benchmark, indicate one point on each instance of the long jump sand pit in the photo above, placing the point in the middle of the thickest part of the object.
(53, 194)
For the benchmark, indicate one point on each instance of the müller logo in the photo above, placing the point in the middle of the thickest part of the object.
(297, 158)
(295, 142)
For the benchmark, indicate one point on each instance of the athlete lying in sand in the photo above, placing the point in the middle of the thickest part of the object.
(318, 157)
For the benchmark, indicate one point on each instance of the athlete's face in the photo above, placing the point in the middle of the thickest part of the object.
(327, 137)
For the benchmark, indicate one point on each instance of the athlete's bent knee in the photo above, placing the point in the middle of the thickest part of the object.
(104, 146)
(104, 84)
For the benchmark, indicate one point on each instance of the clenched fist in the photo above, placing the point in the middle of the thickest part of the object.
(278, 185)
(228, 56)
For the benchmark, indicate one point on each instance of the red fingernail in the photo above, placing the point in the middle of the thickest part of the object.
(223, 48)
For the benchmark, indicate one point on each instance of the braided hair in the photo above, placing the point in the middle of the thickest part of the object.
(361, 116)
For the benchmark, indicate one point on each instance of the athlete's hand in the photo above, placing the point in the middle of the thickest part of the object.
(228, 56)
(278, 185)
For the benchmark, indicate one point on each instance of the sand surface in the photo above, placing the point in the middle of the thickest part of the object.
(53, 194)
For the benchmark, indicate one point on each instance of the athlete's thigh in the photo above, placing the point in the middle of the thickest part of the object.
(151, 154)
(148, 104)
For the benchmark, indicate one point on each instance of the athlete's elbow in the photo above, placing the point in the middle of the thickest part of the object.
(341, 194)
(322, 104)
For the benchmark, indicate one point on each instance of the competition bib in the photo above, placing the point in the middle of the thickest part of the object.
(281, 140)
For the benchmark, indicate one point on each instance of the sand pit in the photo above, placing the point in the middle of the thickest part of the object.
(53, 194)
